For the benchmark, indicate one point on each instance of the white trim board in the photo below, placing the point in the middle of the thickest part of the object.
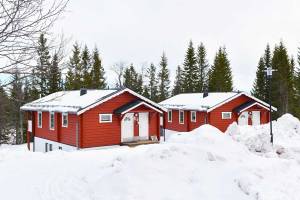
(141, 103)
(236, 96)
(254, 103)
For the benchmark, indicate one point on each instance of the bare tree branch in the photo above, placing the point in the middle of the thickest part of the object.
(21, 23)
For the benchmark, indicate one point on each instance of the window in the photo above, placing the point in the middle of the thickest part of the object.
(181, 117)
(64, 119)
(59, 148)
(169, 115)
(40, 117)
(193, 116)
(226, 115)
(105, 118)
(50, 147)
(46, 147)
(51, 122)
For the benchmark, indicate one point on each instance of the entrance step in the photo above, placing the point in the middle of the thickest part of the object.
(137, 143)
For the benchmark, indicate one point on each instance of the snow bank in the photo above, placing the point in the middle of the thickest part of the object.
(204, 164)
(286, 131)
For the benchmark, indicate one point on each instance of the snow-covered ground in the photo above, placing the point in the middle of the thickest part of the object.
(204, 164)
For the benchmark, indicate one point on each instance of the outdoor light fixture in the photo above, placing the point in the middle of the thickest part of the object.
(269, 72)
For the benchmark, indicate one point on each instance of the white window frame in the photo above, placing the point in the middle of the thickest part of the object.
(230, 115)
(62, 120)
(181, 111)
(40, 120)
(170, 119)
(50, 127)
(195, 113)
(100, 118)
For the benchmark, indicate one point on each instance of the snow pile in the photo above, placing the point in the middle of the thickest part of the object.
(286, 131)
(204, 164)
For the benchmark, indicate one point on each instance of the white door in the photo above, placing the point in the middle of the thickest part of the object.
(255, 118)
(127, 129)
(144, 126)
(243, 118)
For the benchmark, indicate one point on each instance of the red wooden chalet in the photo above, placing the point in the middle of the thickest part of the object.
(191, 110)
(81, 119)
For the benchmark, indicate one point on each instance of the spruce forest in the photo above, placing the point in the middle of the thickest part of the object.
(84, 69)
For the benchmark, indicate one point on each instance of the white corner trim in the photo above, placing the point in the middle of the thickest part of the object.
(141, 103)
(255, 103)
(118, 93)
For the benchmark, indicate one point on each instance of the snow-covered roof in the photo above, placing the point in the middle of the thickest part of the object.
(196, 101)
(72, 102)
(67, 101)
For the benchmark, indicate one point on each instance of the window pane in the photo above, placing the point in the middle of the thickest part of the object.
(65, 120)
(181, 116)
(193, 118)
(105, 118)
(169, 115)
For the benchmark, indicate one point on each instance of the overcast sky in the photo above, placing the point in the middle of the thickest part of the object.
(138, 31)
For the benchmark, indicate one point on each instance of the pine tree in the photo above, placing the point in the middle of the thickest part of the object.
(260, 84)
(203, 66)
(33, 88)
(54, 84)
(163, 79)
(139, 84)
(16, 101)
(146, 92)
(152, 86)
(74, 75)
(220, 76)
(86, 68)
(282, 80)
(97, 74)
(190, 72)
(178, 84)
(297, 86)
(42, 68)
(4, 121)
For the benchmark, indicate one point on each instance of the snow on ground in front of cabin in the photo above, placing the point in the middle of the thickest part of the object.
(204, 164)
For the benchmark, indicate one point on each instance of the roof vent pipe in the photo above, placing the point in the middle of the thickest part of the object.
(83, 91)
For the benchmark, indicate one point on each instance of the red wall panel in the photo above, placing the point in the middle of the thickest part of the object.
(101, 134)
(65, 135)
(214, 118)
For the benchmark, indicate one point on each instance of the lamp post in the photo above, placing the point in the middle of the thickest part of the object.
(269, 72)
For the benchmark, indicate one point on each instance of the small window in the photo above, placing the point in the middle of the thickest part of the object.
(64, 119)
(170, 116)
(46, 147)
(105, 118)
(40, 118)
(50, 147)
(193, 116)
(59, 148)
(181, 117)
(226, 115)
(51, 123)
